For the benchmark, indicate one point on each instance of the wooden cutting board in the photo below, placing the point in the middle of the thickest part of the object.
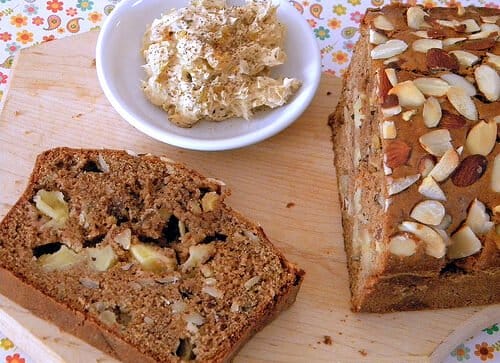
(286, 183)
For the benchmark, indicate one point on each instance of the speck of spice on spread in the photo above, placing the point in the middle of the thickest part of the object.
(211, 61)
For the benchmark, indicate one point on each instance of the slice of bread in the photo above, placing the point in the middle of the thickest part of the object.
(140, 257)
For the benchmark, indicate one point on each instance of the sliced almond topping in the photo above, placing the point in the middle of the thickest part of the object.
(445, 166)
(408, 94)
(490, 19)
(377, 38)
(486, 31)
(391, 76)
(478, 219)
(445, 223)
(452, 41)
(431, 112)
(391, 60)
(481, 138)
(431, 86)
(462, 102)
(388, 130)
(448, 23)
(460, 82)
(415, 17)
(389, 49)
(397, 153)
(434, 243)
(470, 25)
(495, 175)
(383, 23)
(426, 164)
(436, 142)
(444, 235)
(428, 212)
(389, 111)
(387, 170)
(488, 82)
(430, 189)
(494, 60)
(466, 59)
(422, 34)
(470, 170)
(402, 245)
(423, 45)
(464, 244)
(460, 10)
(407, 115)
(396, 186)
(451, 121)
(439, 60)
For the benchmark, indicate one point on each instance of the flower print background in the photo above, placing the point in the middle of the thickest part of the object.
(334, 23)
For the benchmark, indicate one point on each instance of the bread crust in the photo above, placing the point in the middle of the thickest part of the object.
(87, 328)
(381, 281)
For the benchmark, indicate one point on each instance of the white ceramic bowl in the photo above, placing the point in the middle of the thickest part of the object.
(119, 68)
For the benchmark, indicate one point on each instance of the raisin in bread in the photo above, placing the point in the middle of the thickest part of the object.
(140, 257)
(416, 146)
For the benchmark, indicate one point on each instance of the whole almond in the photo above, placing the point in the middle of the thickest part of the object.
(470, 170)
(452, 121)
(397, 153)
(479, 44)
(440, 60)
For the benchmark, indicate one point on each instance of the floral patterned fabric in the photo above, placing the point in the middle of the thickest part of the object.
(483, 347)
(334, 23)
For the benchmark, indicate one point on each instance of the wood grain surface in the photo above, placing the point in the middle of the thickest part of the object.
(286, 183)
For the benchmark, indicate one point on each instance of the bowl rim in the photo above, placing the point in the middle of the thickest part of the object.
(214, 144)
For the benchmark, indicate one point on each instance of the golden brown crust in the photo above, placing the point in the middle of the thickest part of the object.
(377, 146)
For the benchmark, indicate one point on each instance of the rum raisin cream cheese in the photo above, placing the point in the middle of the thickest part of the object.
(212, 61)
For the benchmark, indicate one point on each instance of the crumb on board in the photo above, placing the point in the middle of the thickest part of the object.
(17, 113)
(28, 132)
(93, 62)
(327, 340)
(328, 93)
(340, 333)
(363, 352)
(78, 115)
(290, 204)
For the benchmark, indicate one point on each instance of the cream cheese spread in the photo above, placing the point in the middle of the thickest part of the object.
(211, 61)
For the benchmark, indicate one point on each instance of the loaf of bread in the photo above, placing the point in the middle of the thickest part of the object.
(416, 147)
(140, 257)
